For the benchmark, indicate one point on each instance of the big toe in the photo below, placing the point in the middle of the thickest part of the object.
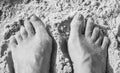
(40, 30)
(29, 28)
(37, 24)
(77, 25)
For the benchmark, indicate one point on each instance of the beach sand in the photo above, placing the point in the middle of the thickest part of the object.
(57, 16)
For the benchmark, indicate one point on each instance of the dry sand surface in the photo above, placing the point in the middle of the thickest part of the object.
(57, 16)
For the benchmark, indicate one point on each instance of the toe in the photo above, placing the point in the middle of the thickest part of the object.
(95, 34)
(89, 27)
(105, 43)
(99, 41)
(29, 28)
(13, 42)
(23, 32)
(18, 37)
(77, 24)
(37, 23)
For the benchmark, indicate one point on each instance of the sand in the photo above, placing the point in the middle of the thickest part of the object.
(57, 15)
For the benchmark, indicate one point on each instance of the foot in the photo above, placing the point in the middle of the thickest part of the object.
(85, 45)
(31, 47)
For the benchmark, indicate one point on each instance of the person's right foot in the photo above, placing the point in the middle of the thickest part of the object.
(84, 46)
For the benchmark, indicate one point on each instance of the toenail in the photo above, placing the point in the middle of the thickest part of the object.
(90, 19)
(34, 17)
(80, 16)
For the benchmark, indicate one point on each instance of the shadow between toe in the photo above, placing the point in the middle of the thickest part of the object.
(53, 53)
(10, 63)
(64, 48)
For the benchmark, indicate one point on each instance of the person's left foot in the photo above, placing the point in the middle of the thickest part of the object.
(31, 47)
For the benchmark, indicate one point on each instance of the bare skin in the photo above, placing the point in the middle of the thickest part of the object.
(84, 45)
(29, 51)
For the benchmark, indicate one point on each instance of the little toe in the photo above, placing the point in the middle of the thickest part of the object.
(95, 34)
(18, 37)
(105, 43)
(77, 25)
(13, 42)
(89, 27)
(29, 27)
(37, 23)
(23, 32)
(99, 41)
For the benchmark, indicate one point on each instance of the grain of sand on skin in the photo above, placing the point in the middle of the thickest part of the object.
(57, 15)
